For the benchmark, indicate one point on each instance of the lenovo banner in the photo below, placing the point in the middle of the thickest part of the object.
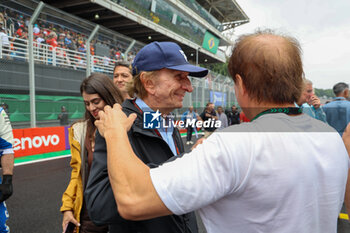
(34, 141)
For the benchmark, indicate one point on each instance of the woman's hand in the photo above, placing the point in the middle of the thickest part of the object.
(68, 217)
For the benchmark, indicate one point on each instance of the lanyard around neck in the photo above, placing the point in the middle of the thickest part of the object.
(288, 111)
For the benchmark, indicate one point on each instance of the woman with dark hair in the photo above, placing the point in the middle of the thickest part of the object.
(98, 91)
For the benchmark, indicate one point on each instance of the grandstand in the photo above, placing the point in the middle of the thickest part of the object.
(62, 56)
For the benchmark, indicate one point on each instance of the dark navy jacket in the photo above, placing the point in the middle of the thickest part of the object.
(153, 151)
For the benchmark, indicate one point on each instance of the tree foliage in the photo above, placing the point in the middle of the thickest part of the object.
(324, 92)
(220, 68)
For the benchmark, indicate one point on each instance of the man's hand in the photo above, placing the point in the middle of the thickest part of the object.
(6, 187)
(114, 120)
(314, 101)
(198, 142)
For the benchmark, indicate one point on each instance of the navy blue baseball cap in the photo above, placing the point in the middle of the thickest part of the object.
(159, 55)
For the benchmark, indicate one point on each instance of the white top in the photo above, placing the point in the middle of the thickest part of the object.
(39, 40)
(6, 135)
(276, 174)
(4, 38)
(36, 30)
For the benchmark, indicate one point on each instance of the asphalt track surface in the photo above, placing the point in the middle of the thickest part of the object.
(38, 187)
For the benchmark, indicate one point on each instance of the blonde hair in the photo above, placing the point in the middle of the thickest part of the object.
(136, 88)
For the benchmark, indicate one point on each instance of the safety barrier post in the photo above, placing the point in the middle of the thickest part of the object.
(31, 64)
(128, 49)
(88, 53)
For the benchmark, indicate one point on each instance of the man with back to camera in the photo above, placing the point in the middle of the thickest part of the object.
(7, 160)
(310, 103)
(264, 176)
(160, 82)
(338, 111)
(122, 76)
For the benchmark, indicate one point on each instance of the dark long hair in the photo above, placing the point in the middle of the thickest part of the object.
(102, 85)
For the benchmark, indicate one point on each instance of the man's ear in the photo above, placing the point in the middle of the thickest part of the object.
(148, 83)
(346, 93)
(240, 85)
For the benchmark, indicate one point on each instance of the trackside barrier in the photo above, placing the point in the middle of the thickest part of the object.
(32, 141)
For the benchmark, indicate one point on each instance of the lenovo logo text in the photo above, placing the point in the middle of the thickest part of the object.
(35, 142)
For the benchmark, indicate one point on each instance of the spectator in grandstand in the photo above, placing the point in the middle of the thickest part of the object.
(97, 91)
(253, 177)
(4, 41)
(18, 24)
(2, 21)
(338, 111)
(67, 40)
(36, 30)
(21, 45)
(9, 24)
(63, 117)
(222, 117)
(160, 73)
(81, 48)
(233, 116)
(61, 56)
(52, 40)
(7, 158)
(72, 45)
(40, 39)
(122, 77)
(209, 114)
(61, 38)
(310, 103)
(189, 116)
(20, 30)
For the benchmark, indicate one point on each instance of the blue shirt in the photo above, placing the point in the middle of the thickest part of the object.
(166, 130)
(318, 114)
(338, 113)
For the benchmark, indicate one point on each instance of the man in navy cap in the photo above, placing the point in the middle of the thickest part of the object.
(160, 82)
(274, 174)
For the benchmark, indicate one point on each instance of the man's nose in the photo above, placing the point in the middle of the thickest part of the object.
(187, 85)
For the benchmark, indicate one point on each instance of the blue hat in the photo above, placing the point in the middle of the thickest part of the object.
(159, 55)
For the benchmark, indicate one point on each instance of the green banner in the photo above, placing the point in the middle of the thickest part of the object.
(210, 42)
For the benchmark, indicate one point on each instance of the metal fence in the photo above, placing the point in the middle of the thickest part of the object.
(55, 56)
(36, 81)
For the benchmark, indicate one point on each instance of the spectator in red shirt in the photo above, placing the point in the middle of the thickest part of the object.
(52, 40)
(243, 118)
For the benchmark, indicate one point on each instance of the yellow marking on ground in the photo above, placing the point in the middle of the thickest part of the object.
(343, 216)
